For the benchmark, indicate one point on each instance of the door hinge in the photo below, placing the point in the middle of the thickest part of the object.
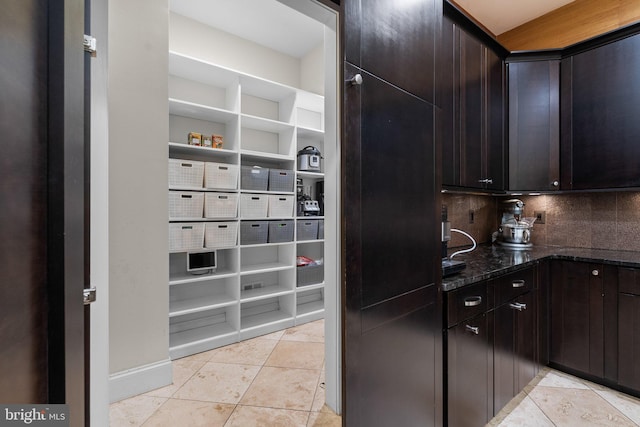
(89, 295)
(89, 44)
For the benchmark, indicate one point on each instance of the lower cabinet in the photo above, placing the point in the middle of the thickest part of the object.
(583, 318)
(470, 385)
(629, 328)
(492, 345)
(514, 347)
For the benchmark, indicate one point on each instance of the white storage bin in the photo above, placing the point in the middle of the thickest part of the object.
(280, 206)
(221, 205)
(220, 234)
(220, 175)
(253, 205)
(186, 236)
(185, 204)
(186, 173)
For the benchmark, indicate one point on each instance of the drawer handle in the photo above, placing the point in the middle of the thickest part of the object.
(472, 329)
(518, 306)
(472, 301)
(595, 272)
(518, 283)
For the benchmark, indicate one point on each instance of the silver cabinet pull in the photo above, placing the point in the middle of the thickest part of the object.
(555, 184)
(472, 329)
(517, 283)
(595, 272)
(355, 80)
(486, 181)
(518, 306)
(472, 301)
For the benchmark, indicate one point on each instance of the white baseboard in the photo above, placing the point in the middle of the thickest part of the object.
(140, 380)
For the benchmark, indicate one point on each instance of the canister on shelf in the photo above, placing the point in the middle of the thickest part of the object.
(207, 141)
(195, 138)
(218, 141)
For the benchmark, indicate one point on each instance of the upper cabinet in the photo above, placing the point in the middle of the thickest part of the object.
(398, 48)
(534, 124)
(471, 96)
(600, 130)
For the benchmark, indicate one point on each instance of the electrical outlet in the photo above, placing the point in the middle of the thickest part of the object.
(541, 216)
(472, 216)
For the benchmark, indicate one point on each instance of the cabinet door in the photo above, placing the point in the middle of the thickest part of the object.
(515, 347)
(600, 126)
(494, 156)
(471, 96)
(392, 321)
(468, 378)
(534, 125)
(577, 333)
(395, 41)
(629, 340)
(471, 109)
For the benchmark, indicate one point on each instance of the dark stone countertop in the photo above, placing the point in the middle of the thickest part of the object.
(488, 261)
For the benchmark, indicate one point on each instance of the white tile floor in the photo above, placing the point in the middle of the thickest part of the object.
(277, 381)
(554, 398)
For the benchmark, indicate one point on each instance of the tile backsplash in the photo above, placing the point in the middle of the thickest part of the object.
(608, 220)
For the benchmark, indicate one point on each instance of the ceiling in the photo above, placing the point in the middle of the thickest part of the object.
(502, 15)
(266, 22)
(279, 27)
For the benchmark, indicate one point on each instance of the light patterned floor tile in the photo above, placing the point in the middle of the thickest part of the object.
(134, 411)
(527, 414)
(190, 413)
(296, 354)
(562, 380)
(218, 382)
(568, 407)
(283, 388)
(324, 418)
(310, 332)
(250, 352)
(251, 416)
(628, 405)
(183, 369)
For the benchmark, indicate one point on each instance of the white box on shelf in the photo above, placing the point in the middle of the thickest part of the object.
(280, 206)
(186, 236)
(221, 205)
(185, 204)
(254, 205)
(220, 175)
(186, 173)
(220, 234)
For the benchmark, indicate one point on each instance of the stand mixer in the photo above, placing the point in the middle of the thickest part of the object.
(514, 231)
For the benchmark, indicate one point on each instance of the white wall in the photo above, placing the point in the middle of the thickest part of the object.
(138, 231)
(312, 71)
(193, 38)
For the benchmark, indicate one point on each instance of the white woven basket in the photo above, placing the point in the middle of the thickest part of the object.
(186, 236)
(220, 176)
(254, 205)
(185, 204)
(280, 206)
(220, 234)
(221, 205)
(186, 173)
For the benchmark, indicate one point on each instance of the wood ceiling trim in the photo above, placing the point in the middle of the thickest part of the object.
(572, 23)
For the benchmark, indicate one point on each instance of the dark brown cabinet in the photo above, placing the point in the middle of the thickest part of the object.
(583, 318)
(534, 123)
(471, 95)
(600, 100)
(629, 328)
(515, 338)
(470, 387)
(492, 345)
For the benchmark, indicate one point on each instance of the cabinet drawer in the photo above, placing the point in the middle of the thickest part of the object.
(513, 284)
(629, 281)
(466, 302)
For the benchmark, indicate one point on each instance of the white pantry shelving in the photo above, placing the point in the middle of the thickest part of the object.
(253, 290)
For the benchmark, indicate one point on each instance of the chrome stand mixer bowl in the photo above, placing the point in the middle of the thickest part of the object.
(515, 231)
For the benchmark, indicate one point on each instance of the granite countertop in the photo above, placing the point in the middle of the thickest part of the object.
(488, 261)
